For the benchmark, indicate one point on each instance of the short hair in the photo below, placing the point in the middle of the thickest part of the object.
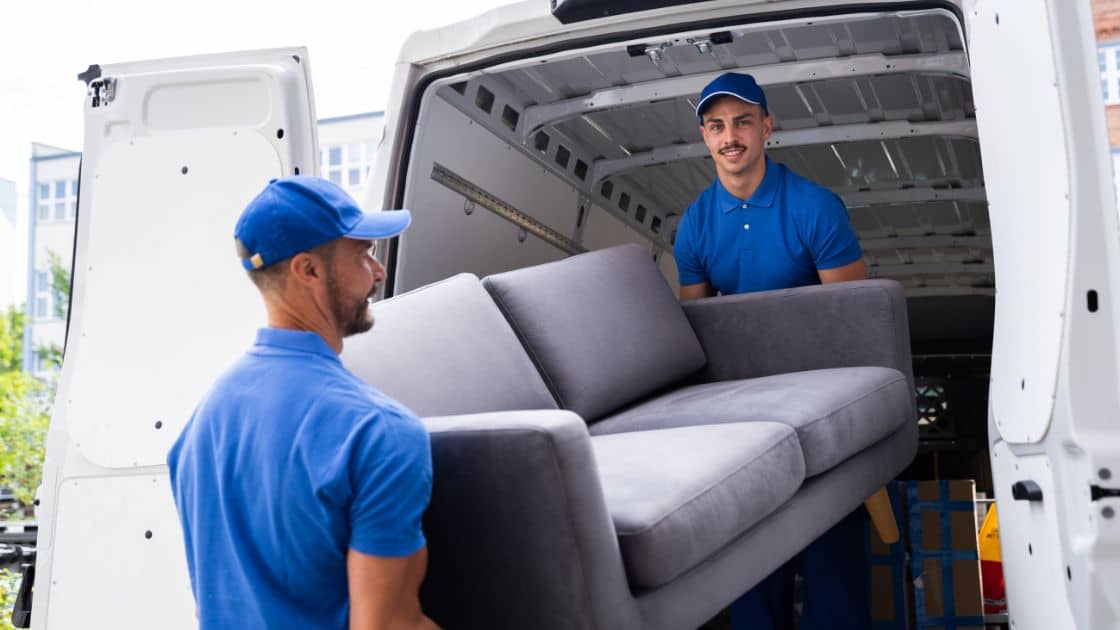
(271, 278)
(267, 278)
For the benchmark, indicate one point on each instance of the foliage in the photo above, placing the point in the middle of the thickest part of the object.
(11, 339)
(9, 589)
(60, 284)
(24, 416)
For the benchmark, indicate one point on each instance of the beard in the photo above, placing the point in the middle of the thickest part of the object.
(352, 318)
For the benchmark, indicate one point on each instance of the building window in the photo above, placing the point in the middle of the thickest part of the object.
(1110, 73)
(347, 164)
(60, 189)
(43, 295)
(44, 191)
(44, 212)
(60, 211)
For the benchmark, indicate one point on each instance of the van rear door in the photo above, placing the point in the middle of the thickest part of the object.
(1054, 382)
(173, 150)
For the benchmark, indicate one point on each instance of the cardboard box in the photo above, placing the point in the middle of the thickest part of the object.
(944, 558)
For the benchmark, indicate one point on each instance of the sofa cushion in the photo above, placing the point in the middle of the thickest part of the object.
(445, 349)
(676, 496)
(836, 412)
(604, 328)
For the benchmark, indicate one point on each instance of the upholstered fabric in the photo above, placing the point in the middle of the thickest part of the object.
(693, 598)
(604, 328)
(836, 412)
(678, 495)
(518, 531)
(844, 324)
(446, 349)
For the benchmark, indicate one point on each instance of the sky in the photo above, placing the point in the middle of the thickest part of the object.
(45, 44)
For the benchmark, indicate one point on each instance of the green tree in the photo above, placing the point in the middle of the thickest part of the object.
(11, 339)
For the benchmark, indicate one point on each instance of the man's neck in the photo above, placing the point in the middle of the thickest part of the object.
(743, 185)
(281, 315)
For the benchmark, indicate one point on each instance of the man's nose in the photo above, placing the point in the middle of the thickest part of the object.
(378, 270)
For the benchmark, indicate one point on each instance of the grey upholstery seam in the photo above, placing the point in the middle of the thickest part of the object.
(568, 512)
(700, 493)
(860, 397)
(810, 422)
(504, 310)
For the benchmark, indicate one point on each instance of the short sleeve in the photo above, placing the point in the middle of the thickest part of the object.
(830, 237)
(686, 251)
(391, 476)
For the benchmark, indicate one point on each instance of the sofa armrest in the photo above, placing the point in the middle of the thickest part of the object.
(518, 528)
(845, 324)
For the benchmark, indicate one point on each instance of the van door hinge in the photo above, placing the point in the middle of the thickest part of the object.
(1097, 493)
(102, 91)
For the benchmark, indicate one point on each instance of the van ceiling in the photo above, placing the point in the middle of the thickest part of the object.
(878, 107)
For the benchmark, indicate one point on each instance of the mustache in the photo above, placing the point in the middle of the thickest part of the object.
(733, 147)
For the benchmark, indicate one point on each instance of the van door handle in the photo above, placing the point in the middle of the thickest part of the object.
(1026, 491)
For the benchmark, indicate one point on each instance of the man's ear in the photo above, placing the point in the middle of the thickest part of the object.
(767, 126)
(305, 268)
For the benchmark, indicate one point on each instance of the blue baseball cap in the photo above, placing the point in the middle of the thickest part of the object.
(295, 214)
(741, 86)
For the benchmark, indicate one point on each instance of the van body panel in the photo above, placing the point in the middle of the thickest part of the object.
(1073, 459)
(173, 150)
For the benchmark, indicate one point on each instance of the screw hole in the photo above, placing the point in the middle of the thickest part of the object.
(297, 170)
(280, 133)
(1108, 512)
(1023, 384)
(159, 424)
(1091, 298)
(148, 534)
(997, 18)
(1069, 574)
(183, 170)
(1030, 550)
(1104, 473)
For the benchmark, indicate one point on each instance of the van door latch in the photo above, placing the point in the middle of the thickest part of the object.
(1097, 493)
(102, 91)
(1026, 491)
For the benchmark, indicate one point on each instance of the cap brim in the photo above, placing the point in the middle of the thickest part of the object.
(708, 98)
(382, 224)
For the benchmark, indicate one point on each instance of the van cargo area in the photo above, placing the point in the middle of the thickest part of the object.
(543, 157)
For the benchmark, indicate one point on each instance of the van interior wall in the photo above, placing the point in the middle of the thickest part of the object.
(451, 235)
(601, 146)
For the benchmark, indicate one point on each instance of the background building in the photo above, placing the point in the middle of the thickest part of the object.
(346, 148)
(1106, 19)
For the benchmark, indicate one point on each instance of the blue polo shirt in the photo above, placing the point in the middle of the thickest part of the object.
(777, 239)
(288, 461)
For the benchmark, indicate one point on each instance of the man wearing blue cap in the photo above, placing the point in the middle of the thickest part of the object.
(760, 226)
(300, 487)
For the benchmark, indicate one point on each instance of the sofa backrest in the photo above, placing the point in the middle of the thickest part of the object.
(603, 328)
(445, 349)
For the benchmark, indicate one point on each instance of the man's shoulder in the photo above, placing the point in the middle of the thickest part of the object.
(706, 199)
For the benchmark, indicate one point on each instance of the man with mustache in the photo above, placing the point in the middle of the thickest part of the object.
(300, 487)
(758, 227)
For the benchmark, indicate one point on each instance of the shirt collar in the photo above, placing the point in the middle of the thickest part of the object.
(294, 341)
(763, 196)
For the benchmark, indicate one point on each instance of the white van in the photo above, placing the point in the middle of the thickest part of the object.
(967, 138)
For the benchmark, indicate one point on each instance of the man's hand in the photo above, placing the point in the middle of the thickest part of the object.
(695, 291)
(852, 271)
(384, 592)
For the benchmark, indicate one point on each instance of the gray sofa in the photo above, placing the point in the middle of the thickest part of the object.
(606, 457)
